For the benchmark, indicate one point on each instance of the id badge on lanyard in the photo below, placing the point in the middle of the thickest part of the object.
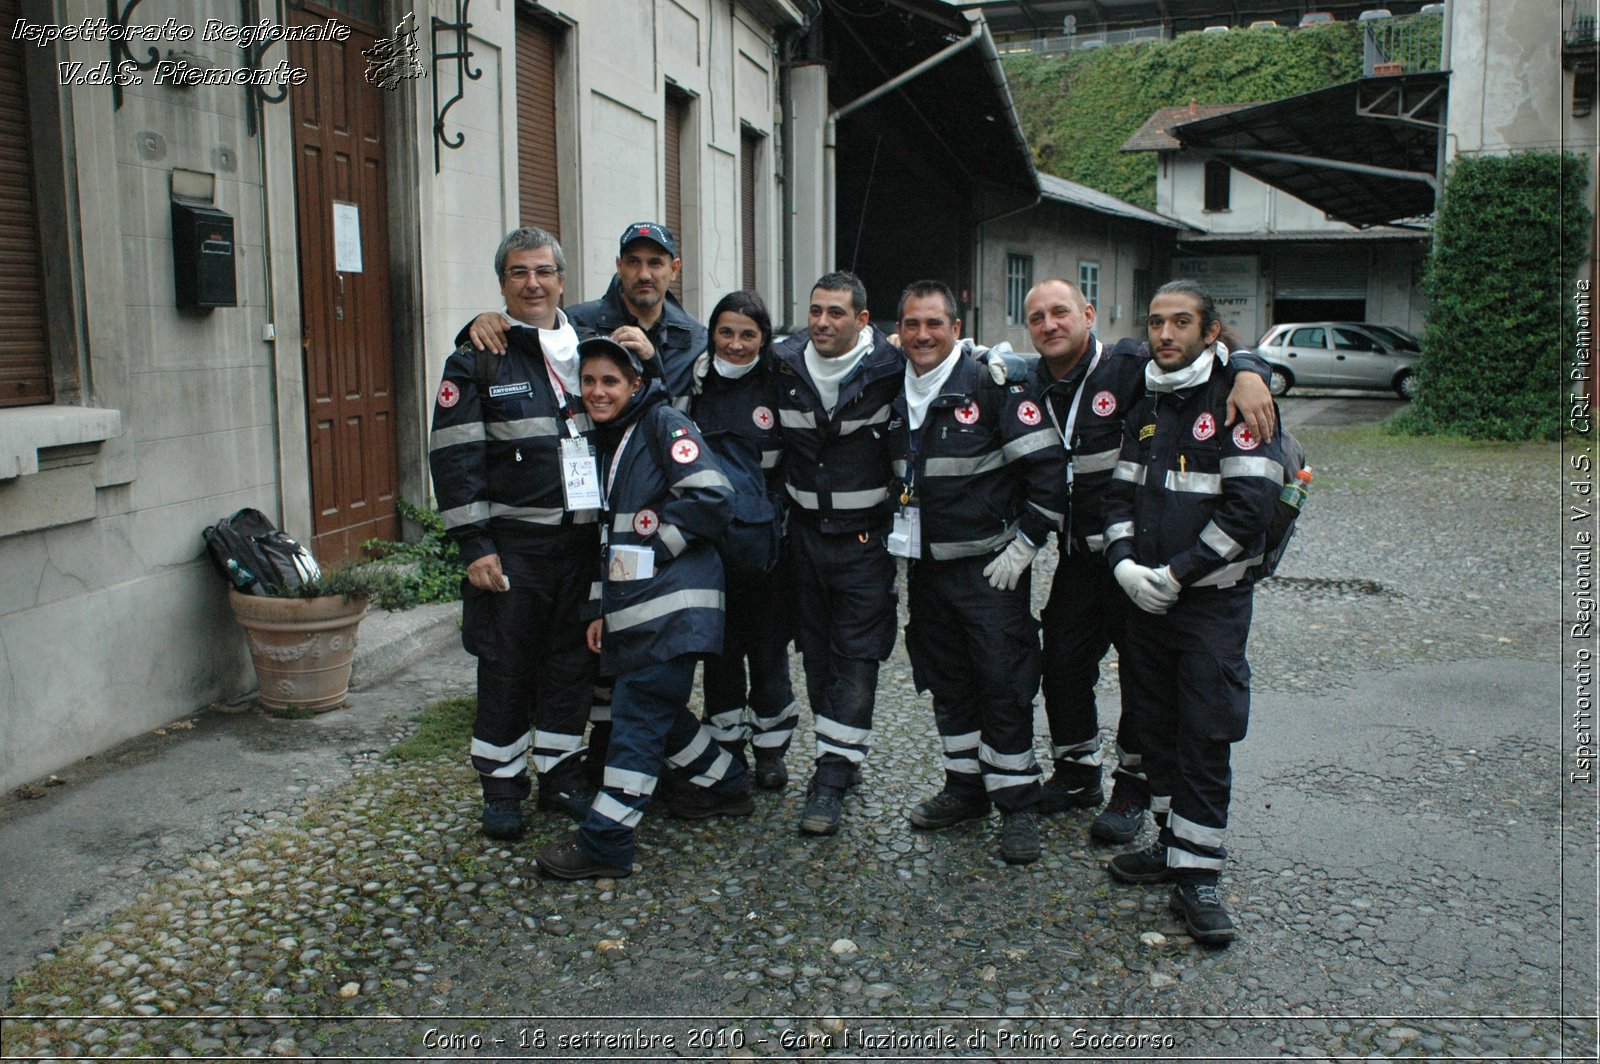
(905, 535)
(580, 475)
(580, 472)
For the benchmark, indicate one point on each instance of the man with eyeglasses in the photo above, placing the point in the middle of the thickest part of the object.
(506, 444)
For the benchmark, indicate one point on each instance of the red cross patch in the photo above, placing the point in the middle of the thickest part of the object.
(684, 452)
(968, 414)
(1244, 439)
(1104, 404)
(1028, 413)
(762, 417)
(1205, 426)
(449, 395)
(645, 522)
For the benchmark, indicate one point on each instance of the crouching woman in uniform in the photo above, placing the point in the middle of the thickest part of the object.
(656, 608)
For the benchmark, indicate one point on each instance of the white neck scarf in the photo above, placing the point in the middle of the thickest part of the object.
(1196, 372)
(731, 370)
(828, 373)
(560, 346)
(921, 391)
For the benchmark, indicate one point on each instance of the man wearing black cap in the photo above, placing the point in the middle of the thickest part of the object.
(637, 311)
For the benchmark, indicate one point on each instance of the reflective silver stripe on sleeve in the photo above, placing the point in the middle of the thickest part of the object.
(1254, 466)
(644, 612)
(946, 551)
(770, 459)
(1033, 441)
(858, 500)
(1095, 543)
(622, 522)
(797, 419)
(533, 515)
(1228, 575)
(1194, 483)
(672, 538)
(595, 590)
(807, 499)
(847, 427)
(703, 478)
(471, 513)
(1218, 540)
(1129, 471)
(1098, 462)
(964, 467)
(523, 428)
(1120, 530)
(899, 467)
(471, 432)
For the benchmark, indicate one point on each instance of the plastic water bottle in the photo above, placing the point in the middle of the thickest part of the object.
(242, 577)
(1294, 493)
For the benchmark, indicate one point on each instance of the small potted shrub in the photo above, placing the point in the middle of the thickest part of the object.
(302, 637)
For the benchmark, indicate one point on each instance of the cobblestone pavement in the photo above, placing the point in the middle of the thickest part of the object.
(1411, 875)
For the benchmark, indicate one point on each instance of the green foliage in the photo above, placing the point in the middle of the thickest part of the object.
(363, 580)
(444, 729)
(1077, 109)
(1510, 233)
(428, 570)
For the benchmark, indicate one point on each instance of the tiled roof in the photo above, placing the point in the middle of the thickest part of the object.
(1153, 135)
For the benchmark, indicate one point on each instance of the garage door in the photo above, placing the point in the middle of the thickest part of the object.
(1320, 273)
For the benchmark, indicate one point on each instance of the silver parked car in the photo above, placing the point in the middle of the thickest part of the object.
(1340, 354)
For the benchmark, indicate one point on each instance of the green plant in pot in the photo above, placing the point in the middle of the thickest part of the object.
(302, 638)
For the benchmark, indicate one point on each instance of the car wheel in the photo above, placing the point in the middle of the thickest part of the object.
(1405, 386)
(1279, 383)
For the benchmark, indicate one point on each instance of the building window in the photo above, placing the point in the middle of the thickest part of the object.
(1219, 178)
(749, 154)
(1089, 282)
(677, 128)
(1019, 278)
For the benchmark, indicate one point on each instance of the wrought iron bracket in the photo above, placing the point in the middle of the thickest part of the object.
(118, 47)
(256, 97)
(461, 52)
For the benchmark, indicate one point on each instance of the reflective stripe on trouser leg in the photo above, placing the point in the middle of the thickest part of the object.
(774, 732)
(1011, 779)
(694, 752)
(644, 708)
(600, 702)
(1086, 753)
(845, 733)
(1195, 845)
(500, 735)
(962, 771)
(728, 726)
(1130, 775)
(552, 748)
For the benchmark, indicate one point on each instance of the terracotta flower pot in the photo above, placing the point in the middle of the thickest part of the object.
(303, 648)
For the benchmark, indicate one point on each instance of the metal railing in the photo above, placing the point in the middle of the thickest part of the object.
(1401, 45)
(1080, 41)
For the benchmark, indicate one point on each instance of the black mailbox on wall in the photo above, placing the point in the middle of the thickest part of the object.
(202, 256)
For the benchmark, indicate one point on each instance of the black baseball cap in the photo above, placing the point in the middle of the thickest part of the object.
(606, 347)
(653, 231)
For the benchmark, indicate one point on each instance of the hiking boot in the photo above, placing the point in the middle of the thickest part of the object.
(572, 797)
(770, 772)
(1199, 902)
(700, 803)
(1019, 837)
(502, 818)
(1066, 790)
(824, 810)
(1148, 865)
(948, 808)
(1121, 819)
(565, 859)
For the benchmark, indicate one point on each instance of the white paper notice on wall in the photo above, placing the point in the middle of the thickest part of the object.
(346, 237)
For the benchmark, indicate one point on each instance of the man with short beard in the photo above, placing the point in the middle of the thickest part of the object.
(1186, 520)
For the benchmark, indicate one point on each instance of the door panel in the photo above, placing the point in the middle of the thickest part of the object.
(347, 342)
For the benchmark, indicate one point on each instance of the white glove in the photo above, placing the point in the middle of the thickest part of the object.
(1169, 583)
(1148, 589)
(1011, 563)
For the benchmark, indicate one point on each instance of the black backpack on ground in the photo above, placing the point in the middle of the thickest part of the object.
(254, 556)
(751, 543)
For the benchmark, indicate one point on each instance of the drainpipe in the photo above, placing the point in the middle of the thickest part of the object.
(830, 134)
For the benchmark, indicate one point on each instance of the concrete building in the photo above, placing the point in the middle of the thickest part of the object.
(355, 224)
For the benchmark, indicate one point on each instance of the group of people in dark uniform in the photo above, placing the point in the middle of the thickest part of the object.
(572, 466)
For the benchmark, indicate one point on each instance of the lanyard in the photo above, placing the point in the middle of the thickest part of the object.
(1072, 411)
(561, 398)
(616, 460)
(907, 490)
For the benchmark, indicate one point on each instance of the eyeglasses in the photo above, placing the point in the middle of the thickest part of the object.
(544, 273)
